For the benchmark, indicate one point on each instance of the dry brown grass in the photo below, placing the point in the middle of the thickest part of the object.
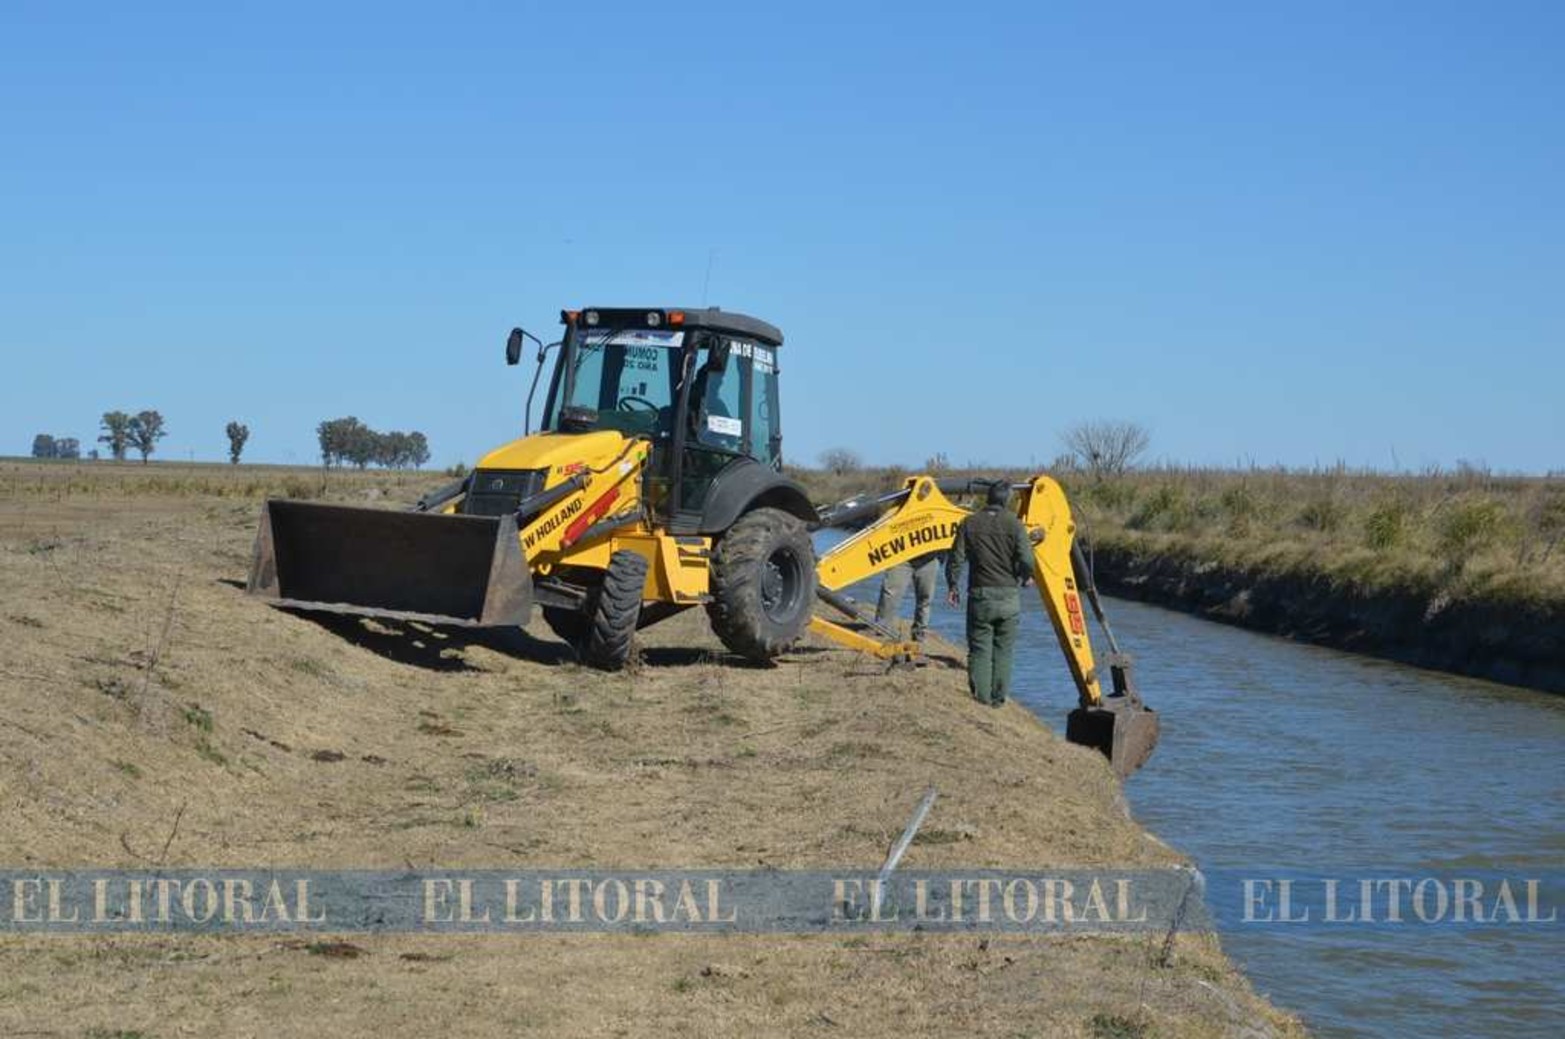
(1467, 533)
(141, 686)
(24, 481)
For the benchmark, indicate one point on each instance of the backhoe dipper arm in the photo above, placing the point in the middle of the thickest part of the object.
(1118, 725)
(1047, 517)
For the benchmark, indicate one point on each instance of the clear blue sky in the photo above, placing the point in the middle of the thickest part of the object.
(1285, 233)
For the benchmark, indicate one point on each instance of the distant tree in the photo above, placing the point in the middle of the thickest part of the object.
(1107, 448)
(360, 444)
(93, 454)
(347, 440)
(326, 433)
(116, 433)
(146, 429)
(937, 463)
(43, 446)
(67, 447)
(398, 450)
(238, 433)
(840, 460)
(389, 449)
(418, 449)
(342, 440)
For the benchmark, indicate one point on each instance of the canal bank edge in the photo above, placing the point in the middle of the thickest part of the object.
(1516, 643)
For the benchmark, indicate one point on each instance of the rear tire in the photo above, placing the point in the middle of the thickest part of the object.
(763, 584)
(606, 644)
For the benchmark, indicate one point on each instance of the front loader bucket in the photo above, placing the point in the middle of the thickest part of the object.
(432, 567)
(1123, 728)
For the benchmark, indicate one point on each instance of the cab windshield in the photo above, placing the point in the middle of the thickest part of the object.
(628, 377)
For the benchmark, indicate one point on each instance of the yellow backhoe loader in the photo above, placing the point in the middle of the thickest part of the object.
(655, 484)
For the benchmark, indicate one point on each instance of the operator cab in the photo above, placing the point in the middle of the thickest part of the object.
(700, 384)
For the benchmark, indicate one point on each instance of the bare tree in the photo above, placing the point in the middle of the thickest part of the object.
(840, 460)
(238, 433)
(1106, 447)
(146, 429)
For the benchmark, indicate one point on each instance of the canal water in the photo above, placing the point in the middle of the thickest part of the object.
(1278, 756)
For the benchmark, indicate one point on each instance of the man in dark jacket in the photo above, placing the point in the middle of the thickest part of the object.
(994, 541)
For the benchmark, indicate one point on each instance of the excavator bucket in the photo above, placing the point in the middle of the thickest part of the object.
(1123, 728)
(432, 567)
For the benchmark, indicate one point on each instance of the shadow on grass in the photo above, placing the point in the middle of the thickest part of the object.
(429, 646)
(694, 656)
(433, 647)
(439, 648)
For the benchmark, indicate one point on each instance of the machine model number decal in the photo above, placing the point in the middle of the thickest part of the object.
(1073, 607)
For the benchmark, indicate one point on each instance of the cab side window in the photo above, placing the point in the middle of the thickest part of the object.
(765, 442)
(720, 423)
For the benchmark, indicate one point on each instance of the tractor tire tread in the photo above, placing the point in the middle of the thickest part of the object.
(735, 609)
(616, 609)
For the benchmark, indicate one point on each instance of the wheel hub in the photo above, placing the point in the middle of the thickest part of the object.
(779, 584)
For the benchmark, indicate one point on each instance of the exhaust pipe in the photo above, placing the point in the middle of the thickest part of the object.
(423, 566)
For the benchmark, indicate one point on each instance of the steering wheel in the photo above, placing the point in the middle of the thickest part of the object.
(641, 403)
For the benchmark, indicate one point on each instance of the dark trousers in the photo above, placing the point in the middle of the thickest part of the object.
(993, 617)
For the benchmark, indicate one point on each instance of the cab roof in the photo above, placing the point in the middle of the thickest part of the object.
(715, 319)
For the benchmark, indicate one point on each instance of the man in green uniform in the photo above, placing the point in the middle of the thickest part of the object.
(994, 541)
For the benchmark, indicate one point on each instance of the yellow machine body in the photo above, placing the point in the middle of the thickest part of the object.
(658, 486)
(568, 532)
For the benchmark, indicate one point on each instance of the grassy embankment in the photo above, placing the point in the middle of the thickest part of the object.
(153, 716)
(1466, 533)
(1463, 571)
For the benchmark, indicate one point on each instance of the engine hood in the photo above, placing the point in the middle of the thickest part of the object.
(562, 453)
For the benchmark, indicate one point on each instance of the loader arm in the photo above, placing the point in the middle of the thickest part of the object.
(436, 564)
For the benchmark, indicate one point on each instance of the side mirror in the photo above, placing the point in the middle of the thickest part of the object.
(717, 354)
(513, 346)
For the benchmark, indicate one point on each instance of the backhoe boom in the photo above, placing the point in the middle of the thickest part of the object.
(920, 519)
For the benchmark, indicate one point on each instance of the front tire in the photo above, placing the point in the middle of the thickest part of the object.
(607, 642)
(763, 584)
